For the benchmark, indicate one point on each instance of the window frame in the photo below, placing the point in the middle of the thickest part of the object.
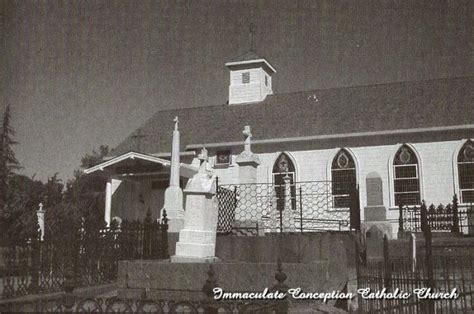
(352, 169)
(246, 78)
(459, 175)
(396, 179)
(223, 164)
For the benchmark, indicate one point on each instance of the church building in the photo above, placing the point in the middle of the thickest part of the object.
(395, 144)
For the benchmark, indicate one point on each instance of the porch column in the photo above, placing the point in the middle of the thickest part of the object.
(108, 202)
(174, 194)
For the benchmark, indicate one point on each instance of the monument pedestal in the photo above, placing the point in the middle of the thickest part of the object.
(174, 208)
(376, 218)
(197, 240)
(248, 163)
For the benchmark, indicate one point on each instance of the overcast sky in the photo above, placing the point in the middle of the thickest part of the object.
(80, 74)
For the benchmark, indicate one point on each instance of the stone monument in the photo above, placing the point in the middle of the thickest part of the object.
(173, 194)
(197, 240)
(375, 224)
(247, 161)
(40, 215)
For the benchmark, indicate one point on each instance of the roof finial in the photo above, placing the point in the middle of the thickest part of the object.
(251, 36)
(248, 138)
(176, 122)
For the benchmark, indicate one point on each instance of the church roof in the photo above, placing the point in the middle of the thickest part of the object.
(345, 110)
(249, 55)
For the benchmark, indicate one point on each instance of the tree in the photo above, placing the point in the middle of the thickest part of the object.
(8, 162)
(86, 192)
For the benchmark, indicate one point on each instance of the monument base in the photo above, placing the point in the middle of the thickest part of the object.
(377, 229)
(195, 249)
(193, 259)
(175, 225)
(196, 243)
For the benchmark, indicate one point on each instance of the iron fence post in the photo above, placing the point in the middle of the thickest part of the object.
(301, 209)
(208, 289)
(147, 235)
(425, 228)
(164, 236)
(455, 227)
(400, 218)
(283, 305)
(386, 262)
(354, 209)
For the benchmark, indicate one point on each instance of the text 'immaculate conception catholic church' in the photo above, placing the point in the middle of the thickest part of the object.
(393, 144)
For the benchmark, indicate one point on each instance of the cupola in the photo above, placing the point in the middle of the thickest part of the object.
(250, 79)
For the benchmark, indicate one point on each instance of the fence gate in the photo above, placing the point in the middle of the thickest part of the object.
(258, 208)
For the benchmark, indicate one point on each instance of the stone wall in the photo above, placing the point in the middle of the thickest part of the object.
(291, 248)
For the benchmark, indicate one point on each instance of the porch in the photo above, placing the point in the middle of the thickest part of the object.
(136, 183)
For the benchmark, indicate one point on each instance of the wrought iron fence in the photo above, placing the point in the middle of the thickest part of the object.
(70, 303)
(440, 274)
(116, 305)
(253, 209)
(392, 274)
(29, 265)
(450, 218)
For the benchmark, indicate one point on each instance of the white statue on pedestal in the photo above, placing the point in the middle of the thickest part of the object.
(197, 240)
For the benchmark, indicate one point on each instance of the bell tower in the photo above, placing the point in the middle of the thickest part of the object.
(250, 79)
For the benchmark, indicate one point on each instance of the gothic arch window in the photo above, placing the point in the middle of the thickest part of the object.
(344, 180)
(466, 172)
(406, 179)
(284, 167)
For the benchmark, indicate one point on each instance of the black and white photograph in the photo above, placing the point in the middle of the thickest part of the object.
(237, 156)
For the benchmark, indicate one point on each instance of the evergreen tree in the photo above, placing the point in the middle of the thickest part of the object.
(86, 192)
(8, 161)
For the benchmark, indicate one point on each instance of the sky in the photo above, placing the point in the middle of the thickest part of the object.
(80, 74)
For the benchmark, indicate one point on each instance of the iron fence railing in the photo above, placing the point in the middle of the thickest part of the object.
(451, 217)
(259, 208)
(116, 305)
(206, 302)
(435, 275)
(392, 274)
(31, 265)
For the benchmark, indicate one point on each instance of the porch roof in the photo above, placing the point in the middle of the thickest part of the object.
(186, 170)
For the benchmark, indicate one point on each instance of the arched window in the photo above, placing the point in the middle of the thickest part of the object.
(466, 172)
(406, 180)
(344, 181)
(284, 166)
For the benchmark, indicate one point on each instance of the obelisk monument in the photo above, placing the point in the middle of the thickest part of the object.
(174, 194)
